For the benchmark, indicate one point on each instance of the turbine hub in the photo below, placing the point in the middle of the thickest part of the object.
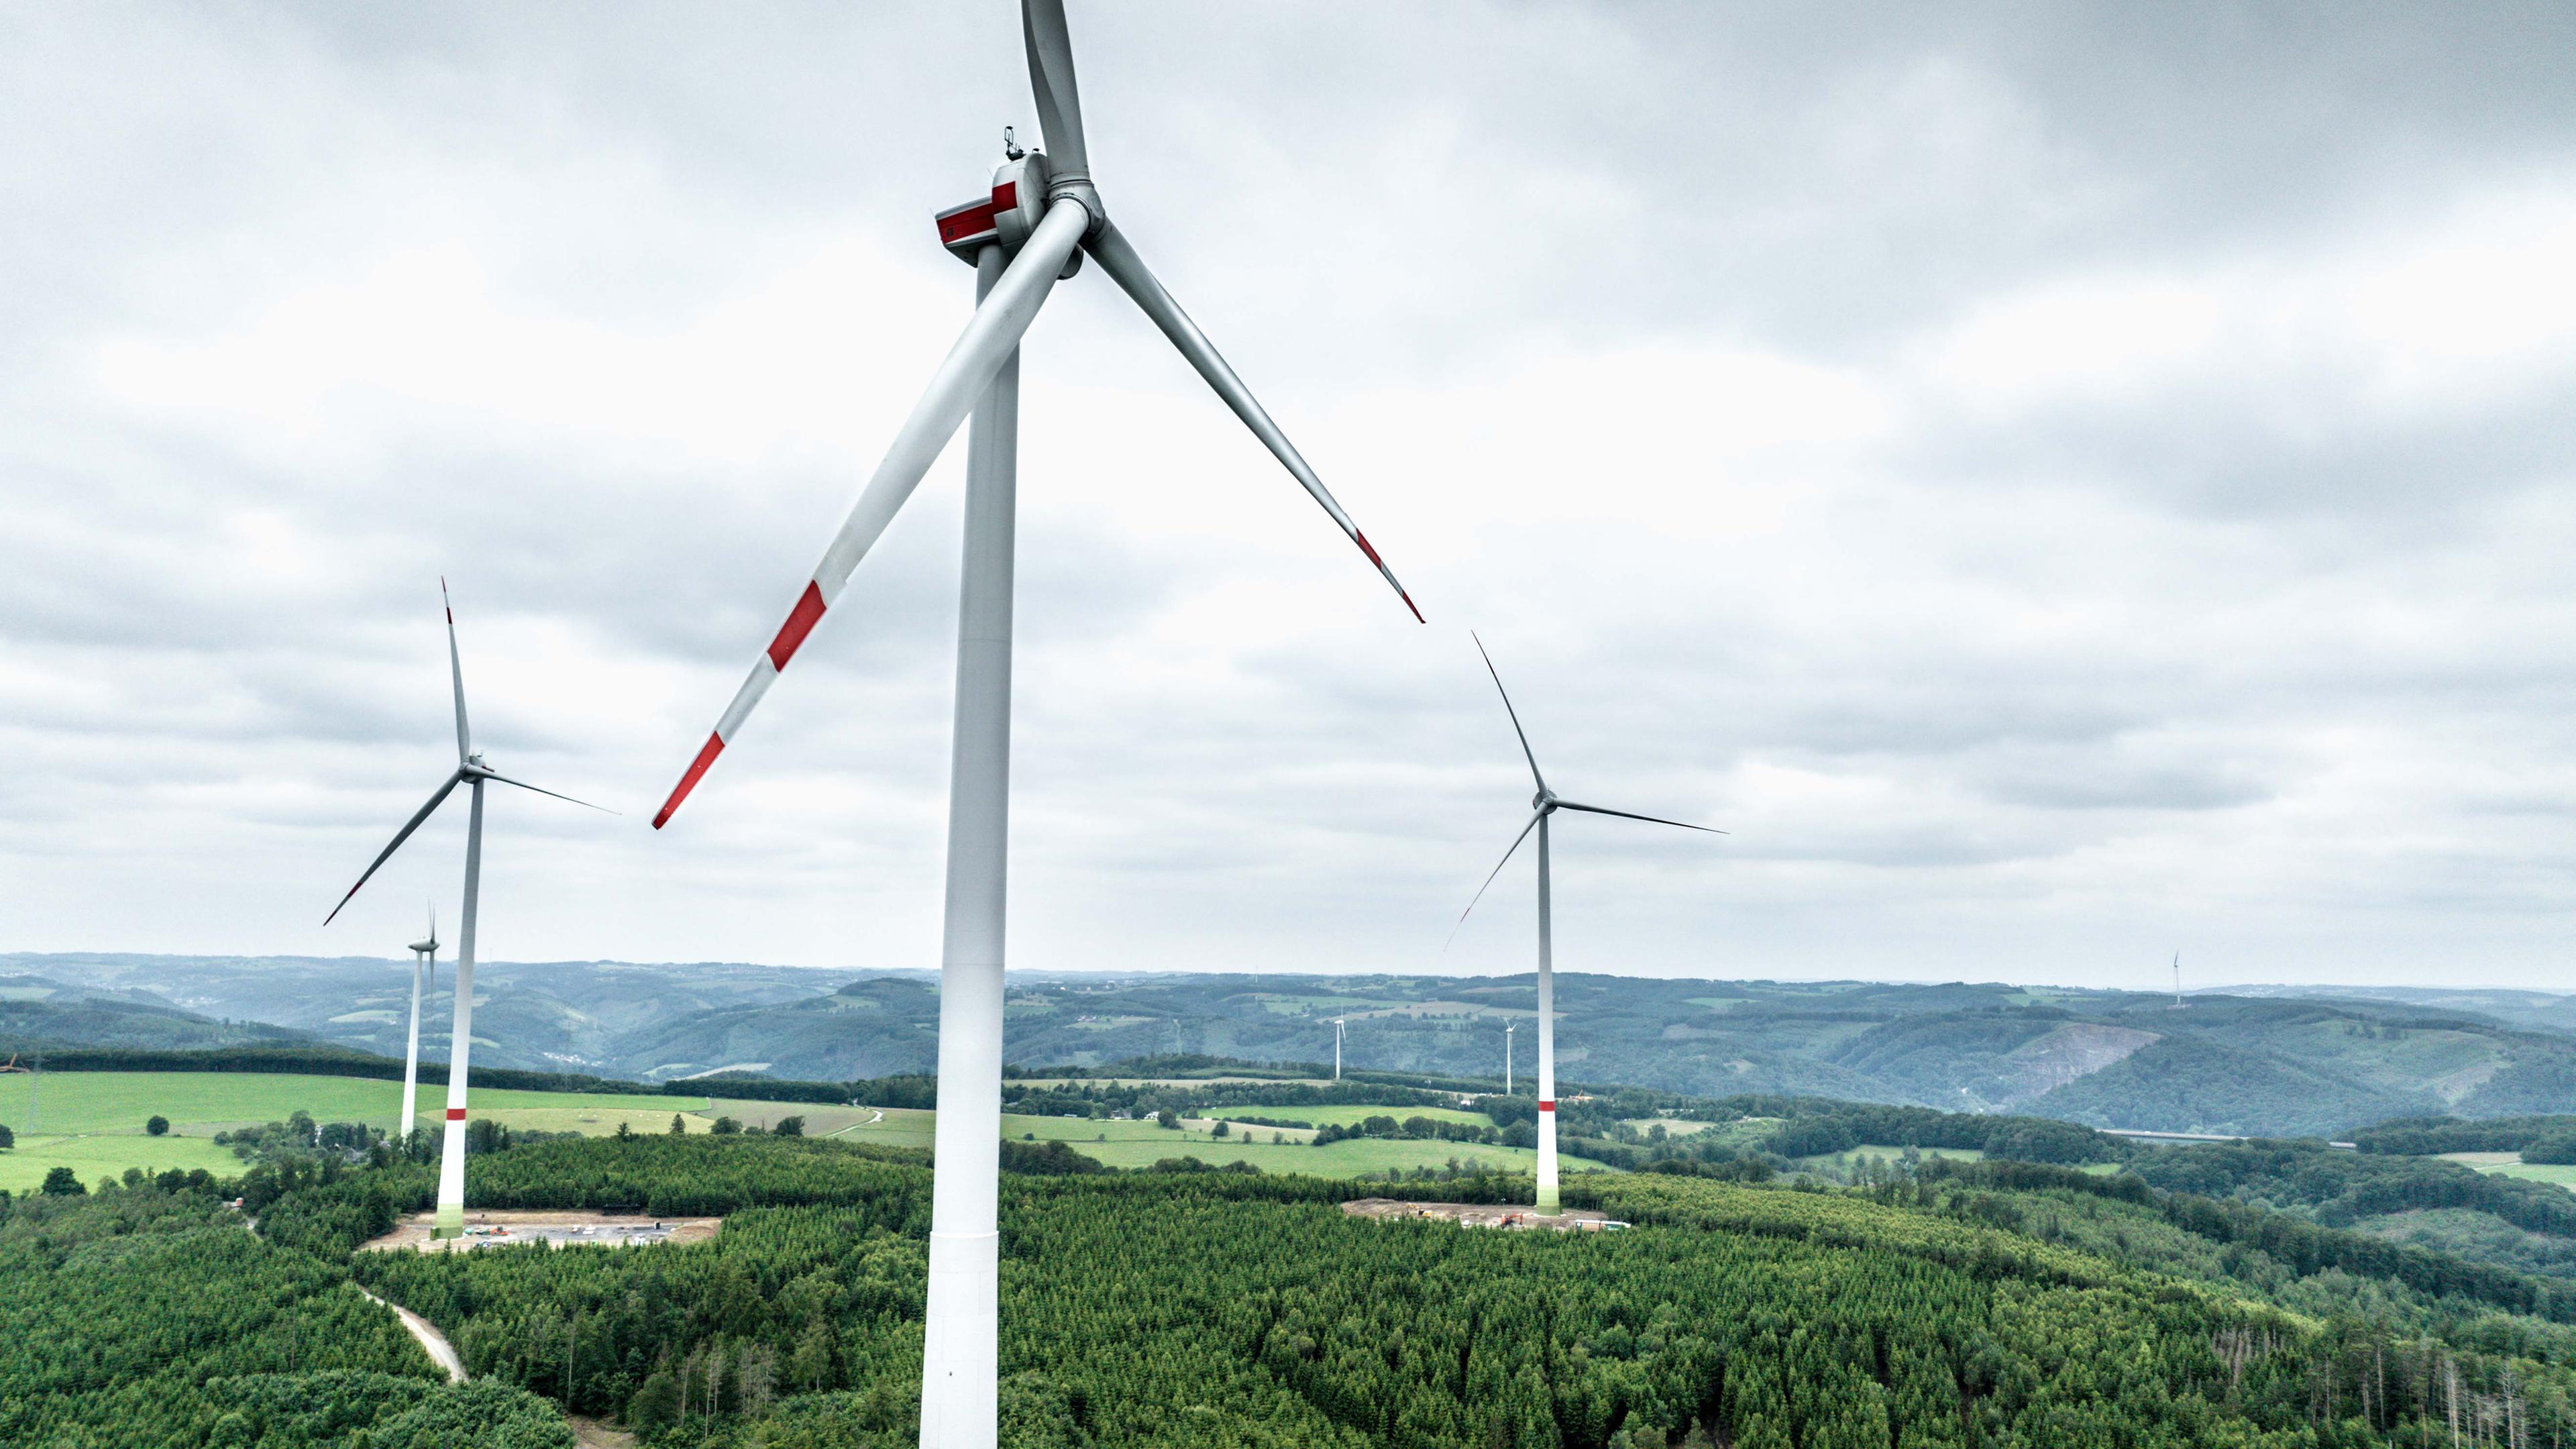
(1543, 800)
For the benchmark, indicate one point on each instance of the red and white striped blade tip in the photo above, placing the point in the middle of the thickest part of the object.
(801, 619)
(689, 781)
(1388, 574)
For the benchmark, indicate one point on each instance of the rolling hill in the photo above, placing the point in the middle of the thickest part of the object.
(2256, 1063)
(37, 1013)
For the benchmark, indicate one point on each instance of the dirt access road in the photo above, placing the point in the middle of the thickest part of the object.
(435, 1343)
(586, 1433)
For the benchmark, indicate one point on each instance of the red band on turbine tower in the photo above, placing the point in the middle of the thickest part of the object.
(455, 1114)
(800, 622)
(1547, 1104)
(706, 756)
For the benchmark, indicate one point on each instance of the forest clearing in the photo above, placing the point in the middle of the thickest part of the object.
(505, 1228)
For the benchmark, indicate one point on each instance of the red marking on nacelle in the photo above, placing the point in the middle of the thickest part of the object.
(1006, 196)
(706, 756)
(965, 222)
(800, 622)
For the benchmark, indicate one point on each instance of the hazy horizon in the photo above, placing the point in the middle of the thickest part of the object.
(16, 961)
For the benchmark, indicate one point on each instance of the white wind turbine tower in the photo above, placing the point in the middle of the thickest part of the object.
(470, 771)
(424, 961)
(1021, 236)
(1545, 804)
(1337, 1049)
(1508, 1028)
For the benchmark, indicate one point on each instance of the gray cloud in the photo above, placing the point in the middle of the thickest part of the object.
(2050, 481)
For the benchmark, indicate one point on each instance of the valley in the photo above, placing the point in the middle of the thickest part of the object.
(2257, 1062)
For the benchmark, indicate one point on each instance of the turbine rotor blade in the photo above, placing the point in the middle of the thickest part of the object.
(1526, 753)
(417, 816)
(1489, 877)
(524, 785)
(1627, 815)
(1000, 320)
(1050, 47)
(456, 673)
(1116, 257)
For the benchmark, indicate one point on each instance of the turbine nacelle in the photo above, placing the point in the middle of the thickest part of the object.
(1009, 213)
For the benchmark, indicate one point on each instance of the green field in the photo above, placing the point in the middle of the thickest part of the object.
(203, 1103)
(1348, 1116)
(96, 1157)
(1673, 1126)
(92, 1122)
(1874, 1152)
(885, 1126)
(2563, 1174)
(1166, 1081)
(1142, 1144)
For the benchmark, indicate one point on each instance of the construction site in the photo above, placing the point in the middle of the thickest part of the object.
(507, 1228)
(1486, 1215)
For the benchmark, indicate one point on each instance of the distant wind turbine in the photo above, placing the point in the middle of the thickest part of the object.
(2177, 981)
(424, 960)
(1508, 1028)
(1337, 1049)
(1544, 804)
(470, 771)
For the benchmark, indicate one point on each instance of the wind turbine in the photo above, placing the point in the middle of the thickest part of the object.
(1544, 804)
(472, 772)
(1024, 233)
(1508, 1028)
(424, 958)
(2177, 981)
(1337, 1049)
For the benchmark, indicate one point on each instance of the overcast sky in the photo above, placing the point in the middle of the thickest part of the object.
(2060, 484)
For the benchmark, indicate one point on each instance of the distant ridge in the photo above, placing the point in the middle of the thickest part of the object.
(2327, 1063)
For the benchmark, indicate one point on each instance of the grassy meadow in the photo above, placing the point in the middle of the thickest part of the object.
(1142, 1144)
(1348, 1116)
(1875, 1152)
(2510, 1164)
(93, 1123)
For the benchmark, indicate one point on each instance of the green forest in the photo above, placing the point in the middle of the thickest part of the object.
(146, 1316)
(1919, 1304)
